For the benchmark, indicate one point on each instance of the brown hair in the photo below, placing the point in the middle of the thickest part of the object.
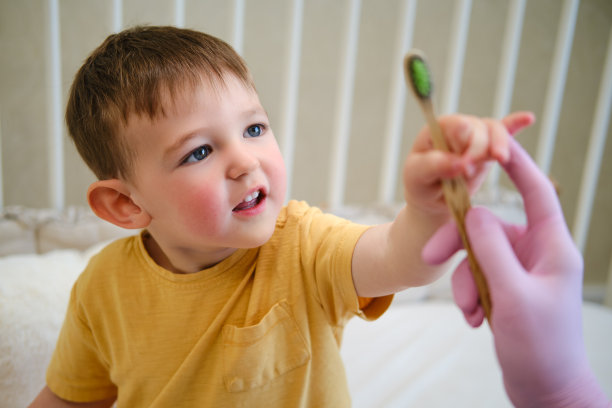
(128, 74)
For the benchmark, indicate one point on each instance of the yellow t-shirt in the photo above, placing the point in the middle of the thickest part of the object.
(261, 328)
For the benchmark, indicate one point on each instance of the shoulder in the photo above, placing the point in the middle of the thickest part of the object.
(109, 262)
(296, 210)
(309, 227)
(116, 251)
(301, 213)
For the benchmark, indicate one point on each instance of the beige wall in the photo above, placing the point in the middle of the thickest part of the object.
(24, 86)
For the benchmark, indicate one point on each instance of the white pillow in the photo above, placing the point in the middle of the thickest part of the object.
(28, 230)
(34, 293)
(16, 237)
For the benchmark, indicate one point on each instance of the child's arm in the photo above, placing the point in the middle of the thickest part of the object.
(47, 399)
(387, 257)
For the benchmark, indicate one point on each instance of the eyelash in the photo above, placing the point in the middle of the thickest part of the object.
(262, 129)
(205, 150)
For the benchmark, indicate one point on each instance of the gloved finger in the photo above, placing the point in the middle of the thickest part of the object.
(446, 241)
(491, 245)
(538, 192)
(465, 294)
(442, 245)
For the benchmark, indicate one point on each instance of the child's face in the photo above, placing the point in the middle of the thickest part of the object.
(209, 173)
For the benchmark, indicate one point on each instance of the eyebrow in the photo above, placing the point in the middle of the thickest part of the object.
(254, 112)
(258, 111)
(168, 152)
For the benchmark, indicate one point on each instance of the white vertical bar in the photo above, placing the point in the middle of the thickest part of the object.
(506, 74)
(397, 103)
(238, 26)
(179, 13)
(1, 173)
(608, 294)
(292, 80)
(509, 58)
(56, 150)
(117, 15)
(343, 109)
(556, 85)
(454, 67)
(592, 164)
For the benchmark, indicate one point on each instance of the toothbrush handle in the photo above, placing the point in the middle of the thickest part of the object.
(457, 198)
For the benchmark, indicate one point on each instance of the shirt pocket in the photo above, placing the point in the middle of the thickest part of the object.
(254, 355)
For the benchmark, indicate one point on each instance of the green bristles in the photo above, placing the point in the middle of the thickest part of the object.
(419, 77)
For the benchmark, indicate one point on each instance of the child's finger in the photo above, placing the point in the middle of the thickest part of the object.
(432, 166)
(457, 130)
(477, 147)
(423, 141)
(517, 121)
(499, 147)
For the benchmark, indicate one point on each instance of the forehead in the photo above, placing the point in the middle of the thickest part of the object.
(182, 97)
(177, 105)
(170, 99)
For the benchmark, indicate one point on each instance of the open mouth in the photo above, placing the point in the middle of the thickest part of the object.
(250, 201)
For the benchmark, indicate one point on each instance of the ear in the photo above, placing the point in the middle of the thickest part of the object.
(110, 200)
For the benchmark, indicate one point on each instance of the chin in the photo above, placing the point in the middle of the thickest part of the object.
(260, 231)
(261, 239)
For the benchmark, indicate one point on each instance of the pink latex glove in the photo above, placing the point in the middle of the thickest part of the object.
(534, 274)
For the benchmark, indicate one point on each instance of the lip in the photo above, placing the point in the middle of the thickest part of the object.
(257, 202)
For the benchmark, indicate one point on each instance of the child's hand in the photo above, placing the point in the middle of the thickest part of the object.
(474, 142)
(383, 252)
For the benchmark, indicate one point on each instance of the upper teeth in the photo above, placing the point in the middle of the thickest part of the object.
(252, 196)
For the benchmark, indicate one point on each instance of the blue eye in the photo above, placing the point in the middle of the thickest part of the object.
(254, 131)
(198, 154)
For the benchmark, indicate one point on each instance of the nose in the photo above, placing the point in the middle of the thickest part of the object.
(241, 160)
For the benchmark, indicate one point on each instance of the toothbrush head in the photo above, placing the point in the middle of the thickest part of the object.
(417, 74)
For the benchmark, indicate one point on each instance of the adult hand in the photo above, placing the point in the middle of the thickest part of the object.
(534, 273)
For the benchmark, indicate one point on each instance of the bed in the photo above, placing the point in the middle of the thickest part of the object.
(344, 121)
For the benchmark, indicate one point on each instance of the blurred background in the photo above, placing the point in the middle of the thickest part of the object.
(44, 42)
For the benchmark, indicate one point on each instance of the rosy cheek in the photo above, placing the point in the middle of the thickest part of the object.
(278, 174)
(201, 210)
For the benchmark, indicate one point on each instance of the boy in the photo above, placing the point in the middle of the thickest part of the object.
(226, 297)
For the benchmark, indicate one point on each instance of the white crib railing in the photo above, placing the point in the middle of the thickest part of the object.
(592, 164)
(56, 109)
(391, 152)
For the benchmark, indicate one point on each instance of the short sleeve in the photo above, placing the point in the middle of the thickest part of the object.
(328, 246)
(373, 308)
(77, 371)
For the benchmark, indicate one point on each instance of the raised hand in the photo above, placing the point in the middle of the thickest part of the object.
(474, 142)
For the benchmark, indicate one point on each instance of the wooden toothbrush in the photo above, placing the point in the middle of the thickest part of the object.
(455, 190)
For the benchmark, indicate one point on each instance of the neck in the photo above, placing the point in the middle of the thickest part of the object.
(179, 262)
